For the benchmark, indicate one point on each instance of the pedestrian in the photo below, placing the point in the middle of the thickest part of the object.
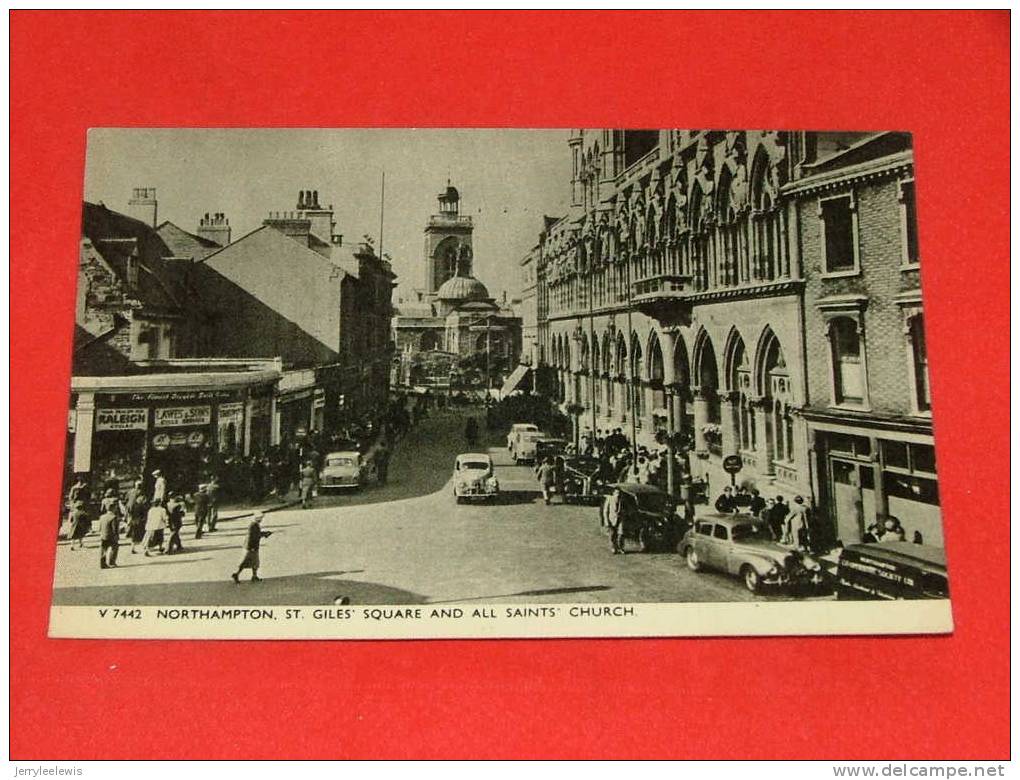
(798, 530)
(873, 534)
(77, 492)
(308, 479)
(110, 502)
(778, 521)
(201, 502)
(382, 463)
(109, 540)
(725, 503)
(559, 472)
(757, 504)
(80, 525)
(155, 527)
(253, 541)
(546, 474)
(212, 489)
(136, 506)
(614, 519)
(159, 488)
(471, 432)
(175, 521)
(741, 499)
(893, 532)
(768, 515)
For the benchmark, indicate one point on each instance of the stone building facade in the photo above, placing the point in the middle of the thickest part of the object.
(683, 293)
(452, 312)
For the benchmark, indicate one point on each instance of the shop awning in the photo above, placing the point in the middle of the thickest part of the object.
(515, 380)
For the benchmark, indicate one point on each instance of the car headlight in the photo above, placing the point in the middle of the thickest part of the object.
(774, 571)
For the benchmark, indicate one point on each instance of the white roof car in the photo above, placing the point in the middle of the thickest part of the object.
(515, 430)
(473, 477)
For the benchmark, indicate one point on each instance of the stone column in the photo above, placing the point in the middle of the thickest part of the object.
(85, 418)
(249, 408)
(762, 435)
(730, 410)
(700, 421)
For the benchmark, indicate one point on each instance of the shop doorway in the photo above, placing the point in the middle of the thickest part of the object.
(852, 487)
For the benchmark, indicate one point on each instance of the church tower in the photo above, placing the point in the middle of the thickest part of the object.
(448, 249)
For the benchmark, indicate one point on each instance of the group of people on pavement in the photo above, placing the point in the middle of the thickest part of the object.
(151, 523)
(789, 523)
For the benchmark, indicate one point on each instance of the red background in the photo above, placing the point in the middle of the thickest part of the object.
(943, 76)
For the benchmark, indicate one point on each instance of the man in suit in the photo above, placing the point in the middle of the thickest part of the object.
(614, 519)
(109, 539)
(201, 501)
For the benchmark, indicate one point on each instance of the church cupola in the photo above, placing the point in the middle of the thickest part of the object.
(449, 201)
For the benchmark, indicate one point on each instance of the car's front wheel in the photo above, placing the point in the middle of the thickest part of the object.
(752, 580)
(693, 563)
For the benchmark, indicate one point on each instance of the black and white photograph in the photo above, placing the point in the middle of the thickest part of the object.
(399, 383)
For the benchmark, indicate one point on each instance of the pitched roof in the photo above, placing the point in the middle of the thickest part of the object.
(288, 277)
(118, 237)
(185, 244)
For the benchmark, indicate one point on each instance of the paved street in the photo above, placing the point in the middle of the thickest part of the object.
(404, 543)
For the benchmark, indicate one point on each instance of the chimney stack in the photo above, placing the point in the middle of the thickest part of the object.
(142, 205)
(215, 227)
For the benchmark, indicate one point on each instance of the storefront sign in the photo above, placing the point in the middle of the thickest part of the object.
(122, 419)
(230, 413)
(260, 407)
(161, 441)
(178, 416)
(169, 396)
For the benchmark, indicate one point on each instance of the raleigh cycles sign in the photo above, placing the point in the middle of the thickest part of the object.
(122, 419)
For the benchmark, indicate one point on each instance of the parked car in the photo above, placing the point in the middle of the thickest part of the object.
(344, 469)
(523, 449)
(583, 481)
(743, 546)
(473, 477)
(648, 517)
(891, 570)
(549, 446)
(516, 430)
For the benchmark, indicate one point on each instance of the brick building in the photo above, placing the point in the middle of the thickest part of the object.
(138, 401)
(685, 292)
(293, 288)
(869, 404)
(183, 344)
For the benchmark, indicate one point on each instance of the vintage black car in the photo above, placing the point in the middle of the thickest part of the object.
(648, 518)
(582, 479)
(891, 570)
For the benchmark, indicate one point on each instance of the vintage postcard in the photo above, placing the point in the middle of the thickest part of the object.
(384, 383)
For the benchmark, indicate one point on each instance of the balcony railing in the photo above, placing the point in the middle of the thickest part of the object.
(663, 297)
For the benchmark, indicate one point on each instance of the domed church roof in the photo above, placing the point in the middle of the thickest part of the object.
(462, 288)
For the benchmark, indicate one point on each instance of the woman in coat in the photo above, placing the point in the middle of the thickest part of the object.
(80, 525)
(156, 521)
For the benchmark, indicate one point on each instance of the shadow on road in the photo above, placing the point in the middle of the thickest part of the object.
(316, 588)
(421, 463)
(539, 592)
